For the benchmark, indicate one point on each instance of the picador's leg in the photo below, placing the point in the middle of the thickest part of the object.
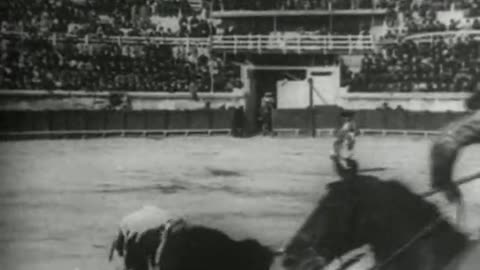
(337, 146)
(443, 156)
(456, 136)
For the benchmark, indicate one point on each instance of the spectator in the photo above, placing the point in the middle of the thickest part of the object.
(409, 67)
(476, 24)
(195, 26)
(453, 25)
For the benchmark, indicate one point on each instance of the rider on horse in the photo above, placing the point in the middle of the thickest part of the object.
(453, 138)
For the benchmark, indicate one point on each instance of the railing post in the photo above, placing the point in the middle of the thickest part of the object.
(324, 44)
(54, 40)
(250, 41)
(349, 39)
(235, 44)
(259, 44)
(299, 44)
(210, 44)
(329, 42)
(373, 42)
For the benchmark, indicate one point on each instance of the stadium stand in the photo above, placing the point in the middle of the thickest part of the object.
(93, 45)
(436, 67)
(166, 46)
(105, 17)
(298, 4)
(35, 63)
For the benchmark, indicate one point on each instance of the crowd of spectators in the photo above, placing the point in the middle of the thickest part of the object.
(422, 16)
(299, 4)
(42, 47)
(104, 17)
(408, 67)
(36, 63)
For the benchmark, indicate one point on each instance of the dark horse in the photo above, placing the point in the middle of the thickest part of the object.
(403, 230)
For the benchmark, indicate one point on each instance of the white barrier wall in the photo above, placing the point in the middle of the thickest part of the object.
(435, 102)
(82, 100)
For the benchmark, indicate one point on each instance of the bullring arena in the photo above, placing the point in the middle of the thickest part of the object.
(63, 199)
(107, 106)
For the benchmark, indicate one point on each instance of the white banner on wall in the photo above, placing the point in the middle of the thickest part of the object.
(292, 94)
(296, 94)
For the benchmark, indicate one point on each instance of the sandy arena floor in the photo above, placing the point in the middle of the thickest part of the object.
(61, 200)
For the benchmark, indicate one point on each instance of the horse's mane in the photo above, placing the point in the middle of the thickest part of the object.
(387, 196)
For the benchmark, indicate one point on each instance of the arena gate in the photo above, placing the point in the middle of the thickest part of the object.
(293, 87)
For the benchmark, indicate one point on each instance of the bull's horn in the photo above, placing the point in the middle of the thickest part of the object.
(112, 250)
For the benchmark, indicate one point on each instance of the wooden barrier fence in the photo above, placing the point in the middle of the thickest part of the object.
(383, 122)
(34, 124)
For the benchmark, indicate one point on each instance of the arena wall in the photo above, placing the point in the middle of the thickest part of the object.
(104, 122)
(39, 100)
(413, 101)
(380, 119)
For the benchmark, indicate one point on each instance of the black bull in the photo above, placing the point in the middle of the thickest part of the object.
(192, 248)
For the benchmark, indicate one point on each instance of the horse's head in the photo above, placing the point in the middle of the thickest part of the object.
(330, 230)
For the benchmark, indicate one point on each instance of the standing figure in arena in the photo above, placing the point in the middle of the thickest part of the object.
(345, 140)
(445, 149)
(266, 108)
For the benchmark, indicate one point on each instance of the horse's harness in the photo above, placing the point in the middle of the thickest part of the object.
(424, 231)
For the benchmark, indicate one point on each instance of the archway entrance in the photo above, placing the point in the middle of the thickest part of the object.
(289, 86)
